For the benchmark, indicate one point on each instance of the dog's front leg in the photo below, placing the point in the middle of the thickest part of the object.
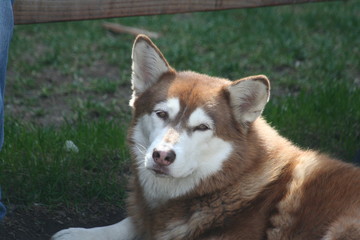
(123, 230)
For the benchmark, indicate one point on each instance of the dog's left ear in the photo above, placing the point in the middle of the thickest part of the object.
(248, 97)
(148, 65)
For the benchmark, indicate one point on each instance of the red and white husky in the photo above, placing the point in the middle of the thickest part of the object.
(207, 166)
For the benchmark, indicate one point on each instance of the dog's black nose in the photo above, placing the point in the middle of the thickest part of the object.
(164, 158)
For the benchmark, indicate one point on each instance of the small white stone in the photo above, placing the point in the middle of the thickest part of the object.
(70, 146)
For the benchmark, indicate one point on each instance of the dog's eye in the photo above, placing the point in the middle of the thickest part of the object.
(201, 127)
(162, 114)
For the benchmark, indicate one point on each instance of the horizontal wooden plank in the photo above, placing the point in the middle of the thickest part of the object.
(39, 11)
(118, 28)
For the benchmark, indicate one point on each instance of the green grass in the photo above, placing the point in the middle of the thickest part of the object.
(79, 72)
(37, 167)
(325, 119)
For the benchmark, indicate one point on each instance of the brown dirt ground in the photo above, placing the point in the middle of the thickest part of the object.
(62, 100)
(40, 223)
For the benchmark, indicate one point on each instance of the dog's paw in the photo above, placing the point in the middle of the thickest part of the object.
(75, 234)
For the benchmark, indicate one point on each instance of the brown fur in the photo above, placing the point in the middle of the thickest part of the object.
(267, 189)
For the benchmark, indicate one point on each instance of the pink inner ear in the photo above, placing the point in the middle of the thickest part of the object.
(248, 101)
(244, 107)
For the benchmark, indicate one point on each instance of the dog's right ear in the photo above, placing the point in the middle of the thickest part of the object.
(148, 65)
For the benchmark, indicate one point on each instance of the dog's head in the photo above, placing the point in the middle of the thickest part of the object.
(185, 124)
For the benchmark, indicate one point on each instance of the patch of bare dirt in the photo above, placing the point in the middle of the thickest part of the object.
(40, 223)
(53, 97)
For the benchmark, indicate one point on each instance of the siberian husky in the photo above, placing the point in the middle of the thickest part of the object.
(206, 165)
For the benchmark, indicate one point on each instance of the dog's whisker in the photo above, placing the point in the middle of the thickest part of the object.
(139, 146)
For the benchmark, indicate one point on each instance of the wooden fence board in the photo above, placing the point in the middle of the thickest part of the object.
(39, 11)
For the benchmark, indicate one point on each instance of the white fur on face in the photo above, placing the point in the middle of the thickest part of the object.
(198, 154)
(200, 117)
(171, 106)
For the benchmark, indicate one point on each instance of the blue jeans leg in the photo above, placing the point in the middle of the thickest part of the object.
(6, 29)
(2, 209)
